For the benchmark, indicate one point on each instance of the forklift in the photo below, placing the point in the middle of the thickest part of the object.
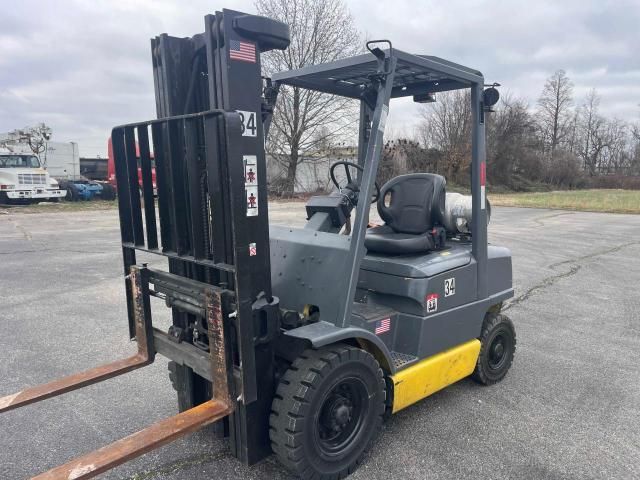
(294, 341)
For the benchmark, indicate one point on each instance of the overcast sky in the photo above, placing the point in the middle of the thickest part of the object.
(84, 66)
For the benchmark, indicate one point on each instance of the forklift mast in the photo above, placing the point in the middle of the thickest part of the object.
(214, 207)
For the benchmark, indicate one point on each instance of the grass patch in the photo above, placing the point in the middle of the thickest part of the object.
(612, 201)
(53, 207)
(596, 200)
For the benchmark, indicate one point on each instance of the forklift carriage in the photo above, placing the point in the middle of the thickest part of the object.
(294, 341)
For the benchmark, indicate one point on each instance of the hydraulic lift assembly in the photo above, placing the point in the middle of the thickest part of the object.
(296, 342)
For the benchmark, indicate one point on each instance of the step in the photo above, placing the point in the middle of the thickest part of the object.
(402, 360)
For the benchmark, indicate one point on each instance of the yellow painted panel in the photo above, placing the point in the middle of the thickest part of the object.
(434, 373)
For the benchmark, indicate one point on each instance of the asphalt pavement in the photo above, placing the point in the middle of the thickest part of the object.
(568, 409)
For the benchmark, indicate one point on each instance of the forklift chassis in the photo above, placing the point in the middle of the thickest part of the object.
(295, 341)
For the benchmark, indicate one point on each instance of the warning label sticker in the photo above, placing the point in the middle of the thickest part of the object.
(250, 170)
(432, 302)
(253, 251)
(252, 201)
(483, 183)
(383, 118)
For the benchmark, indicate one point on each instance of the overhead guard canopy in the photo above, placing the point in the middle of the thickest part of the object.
(414, 74)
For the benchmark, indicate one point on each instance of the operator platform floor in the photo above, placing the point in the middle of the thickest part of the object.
(569, 407)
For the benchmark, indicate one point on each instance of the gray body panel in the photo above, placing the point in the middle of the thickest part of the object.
(324, 333)
(421, 265)
(304, 266)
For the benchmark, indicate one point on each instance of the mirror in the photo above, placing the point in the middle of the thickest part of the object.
(490, 96)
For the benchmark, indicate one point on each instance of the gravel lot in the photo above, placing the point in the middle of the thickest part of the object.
(569, 408)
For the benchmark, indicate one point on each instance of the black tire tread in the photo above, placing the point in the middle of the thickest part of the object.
(290, 405)
(108, 192)
(491, 321)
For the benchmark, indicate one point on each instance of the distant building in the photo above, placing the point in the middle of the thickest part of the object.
(312, 174)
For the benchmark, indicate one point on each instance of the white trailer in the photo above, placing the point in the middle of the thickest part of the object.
(61, 160)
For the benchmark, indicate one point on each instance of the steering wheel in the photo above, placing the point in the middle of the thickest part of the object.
(355, 186)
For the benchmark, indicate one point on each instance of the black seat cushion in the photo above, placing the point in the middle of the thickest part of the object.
(384, 239)
(411, 206)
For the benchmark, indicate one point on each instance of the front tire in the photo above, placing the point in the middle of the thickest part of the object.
(497, 349)
(108, 192)
(72, 193)
(327, 410)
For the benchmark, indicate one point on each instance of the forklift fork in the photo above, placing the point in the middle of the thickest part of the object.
(162, 432)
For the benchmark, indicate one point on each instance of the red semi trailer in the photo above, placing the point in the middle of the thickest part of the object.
(111, 168)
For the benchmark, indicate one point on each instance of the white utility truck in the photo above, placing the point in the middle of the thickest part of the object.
(22, 178)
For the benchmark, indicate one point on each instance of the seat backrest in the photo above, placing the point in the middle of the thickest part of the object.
(416, 202)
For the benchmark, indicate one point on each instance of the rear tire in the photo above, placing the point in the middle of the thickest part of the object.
(72, 193)
(327, 410)
(497, 349)
(108, 192)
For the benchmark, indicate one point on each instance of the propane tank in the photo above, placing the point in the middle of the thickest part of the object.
(457, 213)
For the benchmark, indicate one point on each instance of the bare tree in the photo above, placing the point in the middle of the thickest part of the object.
(305, 121)
(512, 147)
(555, 109)
(635, 148)
(405, 155)
(446, 126)
(634, 167)
(36, 137)
(618, 155)
(592, 128)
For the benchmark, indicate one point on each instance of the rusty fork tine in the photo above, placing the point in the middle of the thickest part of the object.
(154, 436)
(145, 356)
(72, 382)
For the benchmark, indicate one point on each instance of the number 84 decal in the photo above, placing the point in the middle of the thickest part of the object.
(249, 125)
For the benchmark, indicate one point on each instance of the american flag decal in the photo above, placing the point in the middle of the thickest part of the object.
(244, 51)
(383, 326)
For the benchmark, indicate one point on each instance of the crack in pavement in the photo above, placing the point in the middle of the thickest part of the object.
(574, 267)
(589, 256)
(21, 229)
(539, 221)
(547, 282)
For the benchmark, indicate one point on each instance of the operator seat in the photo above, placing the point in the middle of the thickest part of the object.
(412, 207)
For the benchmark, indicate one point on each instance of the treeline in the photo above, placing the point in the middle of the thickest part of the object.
(560, 143)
